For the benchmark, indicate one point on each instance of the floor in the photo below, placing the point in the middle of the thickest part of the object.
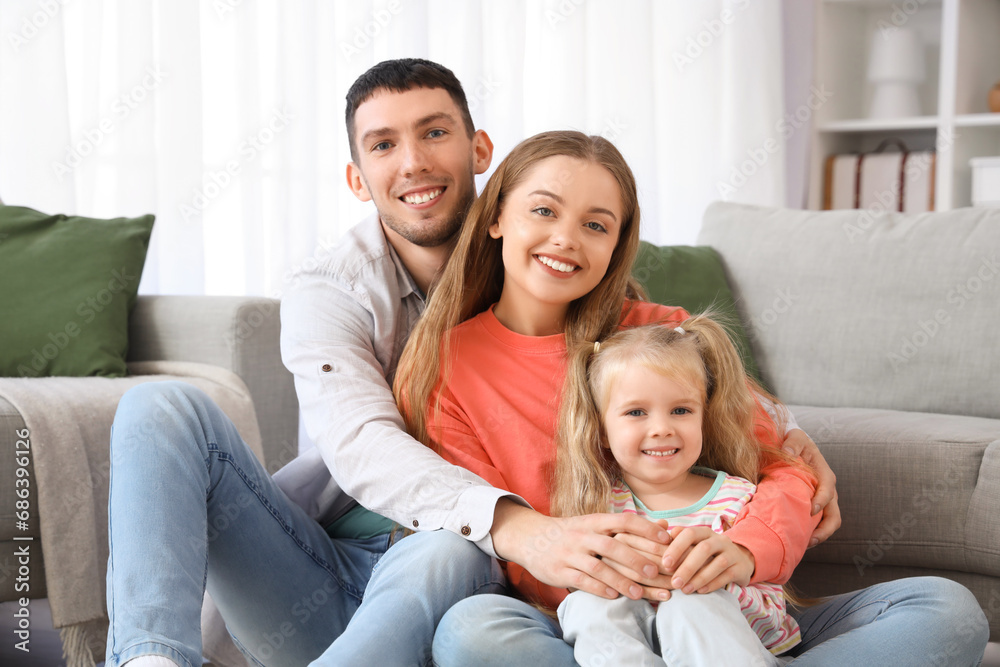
(46, 650)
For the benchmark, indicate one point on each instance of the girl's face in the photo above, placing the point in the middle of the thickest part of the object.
(653, 427)
(559, 227)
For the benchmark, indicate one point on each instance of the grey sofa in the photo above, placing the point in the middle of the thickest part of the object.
(881, 335)
(239, 334)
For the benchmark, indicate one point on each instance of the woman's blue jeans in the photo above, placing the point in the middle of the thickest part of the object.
(191, 506)
(917, 621)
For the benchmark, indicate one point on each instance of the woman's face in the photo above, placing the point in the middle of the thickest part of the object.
(559, 226)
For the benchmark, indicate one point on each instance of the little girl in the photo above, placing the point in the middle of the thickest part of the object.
(650, 419)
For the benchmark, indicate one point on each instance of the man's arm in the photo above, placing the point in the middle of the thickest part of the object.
(556, 552)
(349, 412)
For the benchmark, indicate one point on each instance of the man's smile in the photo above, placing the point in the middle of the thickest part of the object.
(422, 196)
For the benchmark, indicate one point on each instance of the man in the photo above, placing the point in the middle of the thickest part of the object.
(305, 578)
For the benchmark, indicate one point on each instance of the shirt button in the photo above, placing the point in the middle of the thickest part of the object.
(466, 530)
(327, 368)
(416, 524)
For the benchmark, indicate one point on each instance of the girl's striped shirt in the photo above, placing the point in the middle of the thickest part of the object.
(763, 604)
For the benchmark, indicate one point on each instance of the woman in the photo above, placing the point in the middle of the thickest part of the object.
(543, 263)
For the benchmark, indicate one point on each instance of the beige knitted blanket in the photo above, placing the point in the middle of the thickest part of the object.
(70, 421)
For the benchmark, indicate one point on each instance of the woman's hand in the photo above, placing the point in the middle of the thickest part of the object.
(797, 443)
(704, 561)
(570, 552)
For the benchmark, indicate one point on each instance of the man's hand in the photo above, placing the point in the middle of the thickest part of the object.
(797, 443)
(704, 561)
(569, 552)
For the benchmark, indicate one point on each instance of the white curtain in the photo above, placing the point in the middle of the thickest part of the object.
(225, 117)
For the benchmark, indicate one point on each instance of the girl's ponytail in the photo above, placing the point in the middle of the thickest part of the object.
(730, 408)
(584, 467)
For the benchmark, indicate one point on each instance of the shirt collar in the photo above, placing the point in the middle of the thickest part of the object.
(407, 285)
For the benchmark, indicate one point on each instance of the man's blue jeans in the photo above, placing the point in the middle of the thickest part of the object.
(190, 505)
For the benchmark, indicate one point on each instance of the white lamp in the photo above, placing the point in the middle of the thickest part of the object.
(896, 68)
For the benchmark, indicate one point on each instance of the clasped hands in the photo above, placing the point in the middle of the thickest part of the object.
(612, 554)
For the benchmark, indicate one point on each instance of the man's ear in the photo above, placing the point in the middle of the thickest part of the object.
(482, 151)
(356, 183)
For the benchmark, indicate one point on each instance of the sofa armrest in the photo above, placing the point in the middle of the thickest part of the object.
(240, 334)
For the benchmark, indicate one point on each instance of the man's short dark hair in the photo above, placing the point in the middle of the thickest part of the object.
(399, 76)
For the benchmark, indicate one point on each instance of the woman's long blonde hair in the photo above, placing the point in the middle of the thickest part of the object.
(473, 278)
(701, 354)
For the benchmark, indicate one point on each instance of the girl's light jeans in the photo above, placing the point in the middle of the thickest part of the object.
(685, 630)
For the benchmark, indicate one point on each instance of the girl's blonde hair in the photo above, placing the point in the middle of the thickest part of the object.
(701, 353)
(473, 278)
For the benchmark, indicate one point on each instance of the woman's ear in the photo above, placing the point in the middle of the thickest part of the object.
(494, 230)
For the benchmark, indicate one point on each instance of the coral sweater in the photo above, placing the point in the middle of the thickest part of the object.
(497, 418)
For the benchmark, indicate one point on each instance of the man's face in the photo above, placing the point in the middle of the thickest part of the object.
(417, 163)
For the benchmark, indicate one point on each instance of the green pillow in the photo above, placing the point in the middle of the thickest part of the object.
(692, 277)
(67, 286)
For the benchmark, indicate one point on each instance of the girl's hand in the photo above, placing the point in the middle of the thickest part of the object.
(704, 561)
(797, 443)
(570, 552)
(659, 588)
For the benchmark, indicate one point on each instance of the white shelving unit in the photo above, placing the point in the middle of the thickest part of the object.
(962, 42)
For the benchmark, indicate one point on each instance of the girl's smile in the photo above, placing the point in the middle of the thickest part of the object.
(559, 227)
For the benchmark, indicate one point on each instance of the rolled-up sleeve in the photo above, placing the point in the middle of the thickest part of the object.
(329, 341)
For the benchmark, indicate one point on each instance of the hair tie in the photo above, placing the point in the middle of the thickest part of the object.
(679, 330)
(597, 346)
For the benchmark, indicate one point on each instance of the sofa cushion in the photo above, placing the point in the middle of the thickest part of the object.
(69, 283)
(693, 278)
(898, 312)
(915, 489)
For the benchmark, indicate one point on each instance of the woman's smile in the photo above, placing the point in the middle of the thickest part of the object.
(559, 228)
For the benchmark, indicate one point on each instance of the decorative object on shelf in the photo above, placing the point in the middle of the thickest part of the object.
(900, 181)
(994, 98)
(896, 68)
(985, 181)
